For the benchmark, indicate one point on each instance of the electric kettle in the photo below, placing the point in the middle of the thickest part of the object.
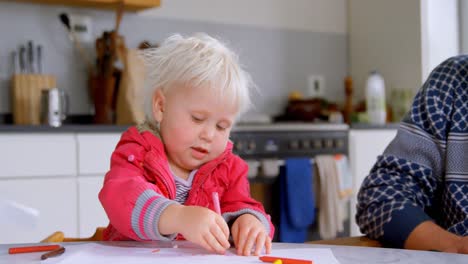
(54, 107)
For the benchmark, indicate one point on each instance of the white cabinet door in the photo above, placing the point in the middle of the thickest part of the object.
(56, 200)
(95, 152)
(91, 214)
(364, 147)
(32, 154)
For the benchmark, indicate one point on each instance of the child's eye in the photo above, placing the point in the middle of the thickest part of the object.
(197, 119)
(220, 128)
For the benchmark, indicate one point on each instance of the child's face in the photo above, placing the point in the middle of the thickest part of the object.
(194, 124)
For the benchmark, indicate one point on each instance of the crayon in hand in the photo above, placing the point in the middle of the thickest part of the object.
(217, 206)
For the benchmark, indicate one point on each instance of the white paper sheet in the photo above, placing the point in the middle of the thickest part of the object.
(186, 254)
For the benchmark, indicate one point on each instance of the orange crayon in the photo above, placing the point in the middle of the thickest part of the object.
(29, 249)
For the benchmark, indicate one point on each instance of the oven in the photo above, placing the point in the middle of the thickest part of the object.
(267, 147)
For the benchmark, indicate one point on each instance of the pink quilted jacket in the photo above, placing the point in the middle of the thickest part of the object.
(139, 164)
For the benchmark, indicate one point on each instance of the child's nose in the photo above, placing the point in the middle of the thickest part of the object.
(208, 132)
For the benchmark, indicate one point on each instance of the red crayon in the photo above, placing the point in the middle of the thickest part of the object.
(29, 249)
(272, 259)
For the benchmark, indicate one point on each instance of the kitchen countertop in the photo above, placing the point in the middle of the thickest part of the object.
(63, 129)
(93, 128)
(372, 126)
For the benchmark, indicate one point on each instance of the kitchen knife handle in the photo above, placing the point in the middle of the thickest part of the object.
(22, 59)
(39, 59)
(30, 57)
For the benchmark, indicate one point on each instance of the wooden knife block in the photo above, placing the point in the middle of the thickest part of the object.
(26, 96)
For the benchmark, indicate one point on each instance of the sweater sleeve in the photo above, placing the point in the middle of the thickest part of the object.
(132, 203)
(404, 186)
(237, 200)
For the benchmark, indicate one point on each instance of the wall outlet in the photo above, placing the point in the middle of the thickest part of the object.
(315, 86)
(82, 27)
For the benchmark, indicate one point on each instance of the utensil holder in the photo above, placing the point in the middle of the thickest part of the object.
(26, 96)
(102, 90)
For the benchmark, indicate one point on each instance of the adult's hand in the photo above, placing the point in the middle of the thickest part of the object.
(430, 236)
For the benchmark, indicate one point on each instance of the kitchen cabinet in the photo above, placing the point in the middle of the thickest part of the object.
(60, 175)
(95, 151)
(54, 198)
(129, 5)
(93, 162)
(365, 145)
(90, 212)
(37, 155)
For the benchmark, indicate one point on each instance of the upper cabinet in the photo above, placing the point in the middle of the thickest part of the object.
(129, 5)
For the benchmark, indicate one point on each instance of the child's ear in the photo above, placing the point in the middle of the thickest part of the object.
(159, 101)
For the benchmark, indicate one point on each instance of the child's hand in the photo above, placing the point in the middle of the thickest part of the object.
(204, 227)
(247, 230)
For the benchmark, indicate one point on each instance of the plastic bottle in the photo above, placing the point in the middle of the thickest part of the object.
(375, 98)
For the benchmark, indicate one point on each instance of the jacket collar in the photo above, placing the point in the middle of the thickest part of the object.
(149, 137)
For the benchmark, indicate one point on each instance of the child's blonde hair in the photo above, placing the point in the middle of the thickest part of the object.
(196, 61)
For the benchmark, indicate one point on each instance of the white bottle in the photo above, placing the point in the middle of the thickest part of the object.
(375, 99)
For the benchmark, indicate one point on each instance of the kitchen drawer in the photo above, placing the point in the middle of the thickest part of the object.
(31, 155)
(54, 198)
(95, 151)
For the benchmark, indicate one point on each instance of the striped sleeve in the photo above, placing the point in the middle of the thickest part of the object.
(146, 213)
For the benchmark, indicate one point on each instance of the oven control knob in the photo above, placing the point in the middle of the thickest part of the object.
(239, 145)
(329, 143)
(251, 146)
(271, 146)
(293, 144)
(317, 143)
(305, 144)
(339, 143)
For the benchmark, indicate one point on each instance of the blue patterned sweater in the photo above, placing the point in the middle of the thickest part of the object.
(423, 173)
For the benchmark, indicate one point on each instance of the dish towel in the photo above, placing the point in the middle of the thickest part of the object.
(331, 198)
(345, 178)
(297, 202)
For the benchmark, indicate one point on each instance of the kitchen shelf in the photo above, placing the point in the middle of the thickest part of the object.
(129, 5)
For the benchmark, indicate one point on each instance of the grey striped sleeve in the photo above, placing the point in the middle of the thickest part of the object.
(146, 213)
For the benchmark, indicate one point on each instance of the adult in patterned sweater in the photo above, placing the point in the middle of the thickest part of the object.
(416, 195)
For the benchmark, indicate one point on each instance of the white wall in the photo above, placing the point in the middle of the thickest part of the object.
(385, 35)
(463, 22)
(309, 15)
(403, 39)
(440, 32)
